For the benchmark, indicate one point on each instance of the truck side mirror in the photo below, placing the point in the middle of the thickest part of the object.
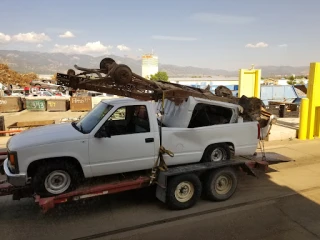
(103, 133)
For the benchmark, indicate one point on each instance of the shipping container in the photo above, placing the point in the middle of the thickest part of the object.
(80, 104)
(36, 104)
(10, 104)
(57, 105)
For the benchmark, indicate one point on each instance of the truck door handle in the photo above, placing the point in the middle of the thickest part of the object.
(149, 140)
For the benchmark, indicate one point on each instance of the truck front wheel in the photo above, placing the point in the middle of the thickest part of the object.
(55, 178)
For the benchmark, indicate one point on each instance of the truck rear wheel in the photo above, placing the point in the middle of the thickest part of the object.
(216, 153)
(220, 184)
(183, 191)
(55, 178)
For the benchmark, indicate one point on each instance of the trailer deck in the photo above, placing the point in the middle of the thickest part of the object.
(115, 184)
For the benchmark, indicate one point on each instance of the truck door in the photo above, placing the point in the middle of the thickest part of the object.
(130, 145)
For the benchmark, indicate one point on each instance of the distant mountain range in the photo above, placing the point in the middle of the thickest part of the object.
(50, 63)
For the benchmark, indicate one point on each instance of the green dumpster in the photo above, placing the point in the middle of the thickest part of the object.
(36, 104)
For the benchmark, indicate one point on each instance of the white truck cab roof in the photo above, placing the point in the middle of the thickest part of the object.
(123, 101)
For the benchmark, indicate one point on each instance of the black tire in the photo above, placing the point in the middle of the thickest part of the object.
(58, 168)
(105, 63)
(213, 152)
(194, 191)
(71, 72)
(2, 170)
(122, 74)
(212, 184)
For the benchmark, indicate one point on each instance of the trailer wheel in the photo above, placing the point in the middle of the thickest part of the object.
(122, 74)
(71, 72)
(221, 184)
(183, 191)
(55, 178)
(105, 63)
(217, 152)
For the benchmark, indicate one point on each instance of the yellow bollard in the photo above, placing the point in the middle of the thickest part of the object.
(317, 123)
(303, 125)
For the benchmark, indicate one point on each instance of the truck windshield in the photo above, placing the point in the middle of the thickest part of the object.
(89, 121)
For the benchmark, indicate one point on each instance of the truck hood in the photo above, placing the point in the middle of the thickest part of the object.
(44, 135)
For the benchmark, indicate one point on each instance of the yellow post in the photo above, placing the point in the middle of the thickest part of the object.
(257, 83)
(313, 95)
(303, 125)
(317, 123)
(249, 82)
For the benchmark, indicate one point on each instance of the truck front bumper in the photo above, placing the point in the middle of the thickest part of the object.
(18, 180)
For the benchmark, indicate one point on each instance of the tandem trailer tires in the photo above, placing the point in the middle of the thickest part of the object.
(183, 191)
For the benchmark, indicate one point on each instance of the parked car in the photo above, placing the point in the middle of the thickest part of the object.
(122, 135)
(47, 84)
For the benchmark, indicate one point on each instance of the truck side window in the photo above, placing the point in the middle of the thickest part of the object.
(129, 120)
(208, 115)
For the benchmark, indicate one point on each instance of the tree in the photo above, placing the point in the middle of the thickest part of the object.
(292, 80)
(160, 76)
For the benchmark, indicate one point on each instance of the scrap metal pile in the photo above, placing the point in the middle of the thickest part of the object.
(118, 79)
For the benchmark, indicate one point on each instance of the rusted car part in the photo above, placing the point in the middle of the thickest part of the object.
(118, 79)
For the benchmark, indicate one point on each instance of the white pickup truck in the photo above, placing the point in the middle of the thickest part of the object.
(122, 135)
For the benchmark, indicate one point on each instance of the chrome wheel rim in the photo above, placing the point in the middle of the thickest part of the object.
(57, 182)
(218, 154)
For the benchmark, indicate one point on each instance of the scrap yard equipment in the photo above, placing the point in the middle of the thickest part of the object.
(118, 79)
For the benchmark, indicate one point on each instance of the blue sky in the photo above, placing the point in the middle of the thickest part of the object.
(225, 34)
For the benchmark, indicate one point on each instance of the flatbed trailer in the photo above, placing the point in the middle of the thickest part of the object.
(179, 187)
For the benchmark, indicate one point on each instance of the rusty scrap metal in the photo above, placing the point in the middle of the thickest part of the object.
(118, 79)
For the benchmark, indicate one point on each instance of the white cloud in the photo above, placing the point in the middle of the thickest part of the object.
(123, 48)
(221, 18)
(4, 38)
(258, 45)
(283, 45)
(172, 38)
(39, 45)
(67, 34)
(31, 37)
(90, 47)
(140, 50)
